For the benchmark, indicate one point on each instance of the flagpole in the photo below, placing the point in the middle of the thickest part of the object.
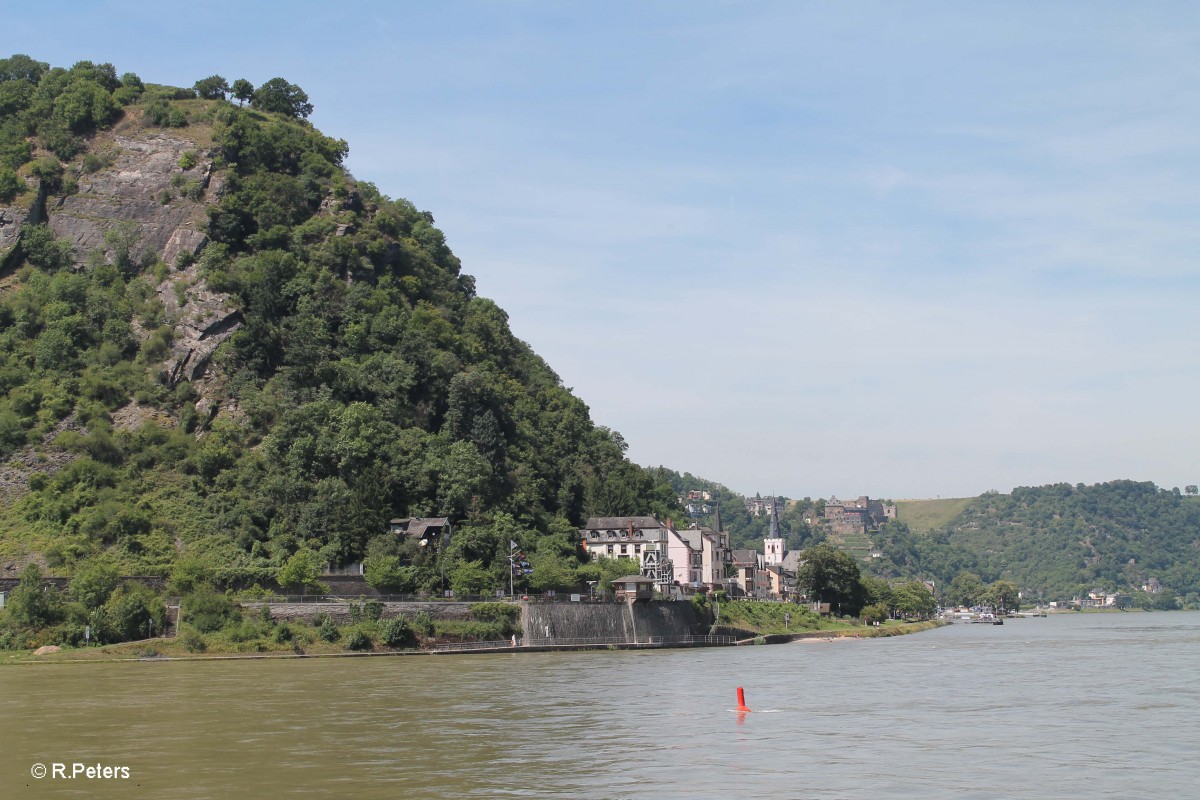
(512, 546)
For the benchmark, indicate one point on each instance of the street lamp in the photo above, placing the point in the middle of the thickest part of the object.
(592, 589)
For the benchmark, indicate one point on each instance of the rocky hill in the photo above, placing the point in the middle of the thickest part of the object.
(218, 349)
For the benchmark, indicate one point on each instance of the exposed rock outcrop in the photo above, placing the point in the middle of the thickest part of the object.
(10, 225)
(203, 319)
(134, 189)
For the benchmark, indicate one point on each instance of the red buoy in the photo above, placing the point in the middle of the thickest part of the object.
(742, 700)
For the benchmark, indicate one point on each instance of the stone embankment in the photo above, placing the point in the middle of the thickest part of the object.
(548, 622)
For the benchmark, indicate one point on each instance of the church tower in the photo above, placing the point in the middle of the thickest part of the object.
(774, 546)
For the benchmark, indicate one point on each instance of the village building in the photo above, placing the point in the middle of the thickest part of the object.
(690, 560)
(633, 587)
(427, 530)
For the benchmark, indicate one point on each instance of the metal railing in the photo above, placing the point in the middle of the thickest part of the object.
(620, 640)
(505, 644)
(586, 641)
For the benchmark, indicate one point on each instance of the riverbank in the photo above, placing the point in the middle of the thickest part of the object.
(171, 650)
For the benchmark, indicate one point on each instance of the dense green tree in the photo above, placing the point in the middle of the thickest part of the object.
(913, 599)
(874, 614)
(132, 611)
(213, 87)
(877, 591)
(32, 604)
(93, 584)
(1002, 595)
(301, 572)
(967, 589)
(472, 579)
(281, 97)
(830, 576)
(242, 90)
(388, 574)
(22, 68)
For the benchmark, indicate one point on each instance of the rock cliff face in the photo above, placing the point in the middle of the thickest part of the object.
(134, 189)
(144, 188)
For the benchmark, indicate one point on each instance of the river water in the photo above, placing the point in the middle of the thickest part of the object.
(1069, 706)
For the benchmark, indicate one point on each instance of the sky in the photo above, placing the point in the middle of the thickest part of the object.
(806, 248)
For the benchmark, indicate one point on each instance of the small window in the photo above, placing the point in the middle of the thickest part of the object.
(624, 549)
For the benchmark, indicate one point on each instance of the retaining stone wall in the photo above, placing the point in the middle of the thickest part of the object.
(665, 618)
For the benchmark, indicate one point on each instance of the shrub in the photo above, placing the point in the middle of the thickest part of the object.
(327, 630)
(208, 611)
(471, 630)
(192, 641)
(49, 171)
(359, 640)
(135, 612)
(283, 634)
(188, 159)
(397, 632)
(372, 610)
(10, 185)
(874, 614)
(422, 623)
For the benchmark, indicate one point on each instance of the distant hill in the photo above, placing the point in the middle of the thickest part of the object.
(1060, 540)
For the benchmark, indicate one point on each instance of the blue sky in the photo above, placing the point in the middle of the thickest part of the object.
(908, 250)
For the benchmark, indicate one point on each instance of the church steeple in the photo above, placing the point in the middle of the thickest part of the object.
(774, 544)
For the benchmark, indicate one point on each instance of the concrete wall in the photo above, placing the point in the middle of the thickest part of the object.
(618, 621)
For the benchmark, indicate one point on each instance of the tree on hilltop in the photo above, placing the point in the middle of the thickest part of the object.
(281, 97)
(213, 87)
(242, 90)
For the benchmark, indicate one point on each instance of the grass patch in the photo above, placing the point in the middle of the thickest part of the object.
(766, 618)
(923, 516)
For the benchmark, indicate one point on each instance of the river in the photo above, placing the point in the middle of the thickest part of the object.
(1068, 706)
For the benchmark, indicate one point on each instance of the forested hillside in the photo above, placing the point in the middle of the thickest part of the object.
(244, 352)
(1060, 541)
